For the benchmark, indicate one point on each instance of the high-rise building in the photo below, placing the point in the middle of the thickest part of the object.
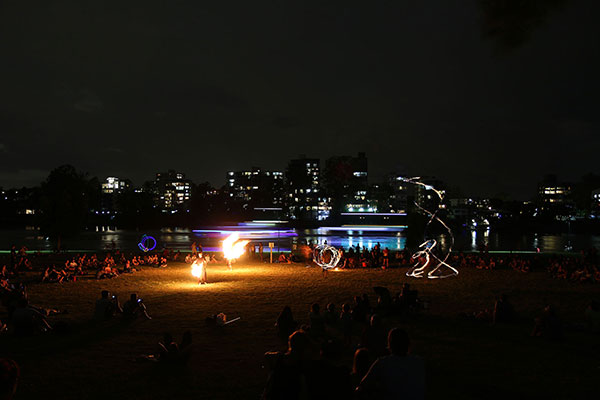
(304, 197)
(552, 192)
(113, 184)
(345, 178)
(171, 190)
(400, 192)
(256, 188)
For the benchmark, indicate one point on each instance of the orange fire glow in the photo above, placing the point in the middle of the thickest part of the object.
(233, 247)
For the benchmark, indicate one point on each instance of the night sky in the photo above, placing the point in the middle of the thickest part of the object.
(486, 98)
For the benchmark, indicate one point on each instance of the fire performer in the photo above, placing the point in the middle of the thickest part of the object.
(233, 248)
(199, 270)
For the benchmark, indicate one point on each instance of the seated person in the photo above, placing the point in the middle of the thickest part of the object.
(133, 307)
(27, 320)
(127, 269)
(331, 315)
(548, 325)
(592, 315)
(398, 375)
(317, 323)
(9, 378)
(285, 323)
(503, 311)
(106, 306)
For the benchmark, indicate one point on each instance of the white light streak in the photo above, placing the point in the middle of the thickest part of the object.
(419, 269)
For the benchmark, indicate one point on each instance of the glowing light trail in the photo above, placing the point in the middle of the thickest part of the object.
(143, 244)
(419, 269)
(320, 256)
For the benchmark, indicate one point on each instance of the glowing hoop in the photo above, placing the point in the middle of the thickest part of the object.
(319, 256)
(143, 244)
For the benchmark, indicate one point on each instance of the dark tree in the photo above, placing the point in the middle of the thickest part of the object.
(68, 196)
(511, 22)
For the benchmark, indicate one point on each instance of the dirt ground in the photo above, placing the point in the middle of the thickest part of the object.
(464, 359)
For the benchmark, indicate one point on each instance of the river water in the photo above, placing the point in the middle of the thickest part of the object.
(180, 239)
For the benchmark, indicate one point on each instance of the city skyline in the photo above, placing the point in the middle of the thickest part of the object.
(431, 89)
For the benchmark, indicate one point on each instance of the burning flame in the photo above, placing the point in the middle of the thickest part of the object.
(197, 267)
(232, 247)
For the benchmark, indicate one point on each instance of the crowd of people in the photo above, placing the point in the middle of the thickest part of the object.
(316, 363)
(110, 265)
(577, 268)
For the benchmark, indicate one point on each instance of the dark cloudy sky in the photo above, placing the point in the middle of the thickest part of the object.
(487, 98)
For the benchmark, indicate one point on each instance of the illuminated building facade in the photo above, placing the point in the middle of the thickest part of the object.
(595, 197)
(555, 193)
(426, 197)
(113, 184)
(171, 190)
(256, 188)
(555, 199)
(304, 198)
(345, 179)
(399, 195)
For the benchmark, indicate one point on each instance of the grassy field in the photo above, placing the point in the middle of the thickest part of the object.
(464, 359)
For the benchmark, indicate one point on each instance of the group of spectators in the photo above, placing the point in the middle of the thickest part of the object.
(23, 318)
(108, 306)
(315, 363)
(576, 268)
(109, 265)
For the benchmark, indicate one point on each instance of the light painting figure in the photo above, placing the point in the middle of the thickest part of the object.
(427, 263)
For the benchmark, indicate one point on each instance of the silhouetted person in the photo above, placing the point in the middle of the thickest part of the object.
(106, 306)
(548, 325)
(360, 366)
(287, 380)
(374, 337)
(397, 376)
(359, 310)
(328, 378)
(168, 349)
(185, 347)
(9, 378)
(331, 315)
(503, 311)
(592, 316)
(134, 307)
(285, 324)
(27, 320)
(317, 323)
(346, 323)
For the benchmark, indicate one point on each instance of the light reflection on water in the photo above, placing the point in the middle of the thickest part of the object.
(181, 239)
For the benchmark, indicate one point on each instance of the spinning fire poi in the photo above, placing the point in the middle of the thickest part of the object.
(199, 270)
(233, 248)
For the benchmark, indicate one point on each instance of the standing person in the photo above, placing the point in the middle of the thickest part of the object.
(13, 257)
(200, 250)
(397, 376)
(260, 251)
(386, 258)
(194, 250)
(202, 280)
